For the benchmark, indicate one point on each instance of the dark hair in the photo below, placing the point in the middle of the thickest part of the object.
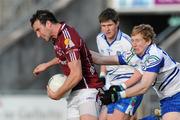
(43, 16)
(108, 14)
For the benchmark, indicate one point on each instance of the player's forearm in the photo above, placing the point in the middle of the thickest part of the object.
(96, 57)
(52, 62)
(142, 86)
(134, 91)
(73, 78)
(102, 70)
(104, 60)
(44, 66)
(71, 81)
(136, 77)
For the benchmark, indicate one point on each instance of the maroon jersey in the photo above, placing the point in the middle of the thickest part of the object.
(69, 46)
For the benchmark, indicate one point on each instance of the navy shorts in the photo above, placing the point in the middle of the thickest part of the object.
(170, 104)
(125, 105)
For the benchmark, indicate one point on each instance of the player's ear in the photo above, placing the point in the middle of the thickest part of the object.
(48, 23)
(149, 41)
(117, 24)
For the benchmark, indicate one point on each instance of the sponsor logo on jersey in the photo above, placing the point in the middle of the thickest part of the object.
(63, 62)
(129, 55)
(58, 50)
(152, 61)
(68, 43)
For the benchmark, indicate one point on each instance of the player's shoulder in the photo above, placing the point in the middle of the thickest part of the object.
(153, 55)
(154, 50)
(65, 26)
(68, 30)
(124, 40)
(100, 35)
(125, 36)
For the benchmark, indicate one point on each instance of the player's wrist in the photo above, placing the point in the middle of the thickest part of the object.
(48, 64)
(122, 94)
(123, 85)
(102, 74)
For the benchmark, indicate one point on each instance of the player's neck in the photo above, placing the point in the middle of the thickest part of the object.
(110, 40)
(55, 30)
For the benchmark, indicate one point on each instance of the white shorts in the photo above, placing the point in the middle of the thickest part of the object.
(81, 102)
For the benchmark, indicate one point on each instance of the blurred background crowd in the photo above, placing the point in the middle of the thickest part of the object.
(23, 96)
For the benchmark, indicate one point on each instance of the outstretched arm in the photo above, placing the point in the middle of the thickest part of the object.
(44, 66)
(104, 60)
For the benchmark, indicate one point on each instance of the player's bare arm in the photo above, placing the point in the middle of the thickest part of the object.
(103, 69)
(113, 60)
(142, 86)
(72, 80)
(44, 66)
(104, 60)
(136, 77)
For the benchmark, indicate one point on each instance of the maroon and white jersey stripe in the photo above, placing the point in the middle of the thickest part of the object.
(68, 47)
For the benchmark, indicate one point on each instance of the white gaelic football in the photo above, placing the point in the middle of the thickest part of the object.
(56, 81)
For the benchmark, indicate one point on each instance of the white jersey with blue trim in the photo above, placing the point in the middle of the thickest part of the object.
(116, 74)
(168, 80)
(156, 60)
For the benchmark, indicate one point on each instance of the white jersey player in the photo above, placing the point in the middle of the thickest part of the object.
(116, 74)
(109, 42)
(167, 82)
(156, 60)
(159, 70)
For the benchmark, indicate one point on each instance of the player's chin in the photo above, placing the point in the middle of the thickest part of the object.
(136, 51)
(109, 36)
(47, 39)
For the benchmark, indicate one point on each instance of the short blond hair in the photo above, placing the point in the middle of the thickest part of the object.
(145, 30)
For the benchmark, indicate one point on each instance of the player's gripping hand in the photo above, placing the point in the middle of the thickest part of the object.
(40, 68)
(109, 97)
(117, 88)
(113, 94)
(102, 77)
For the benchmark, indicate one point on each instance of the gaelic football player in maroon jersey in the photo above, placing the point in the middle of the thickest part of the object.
(75, 59)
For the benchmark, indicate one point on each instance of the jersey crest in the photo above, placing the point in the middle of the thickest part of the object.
(128, 55)
(152, 61)
(68, 43)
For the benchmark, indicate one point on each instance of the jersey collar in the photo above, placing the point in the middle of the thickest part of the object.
(117, 37)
